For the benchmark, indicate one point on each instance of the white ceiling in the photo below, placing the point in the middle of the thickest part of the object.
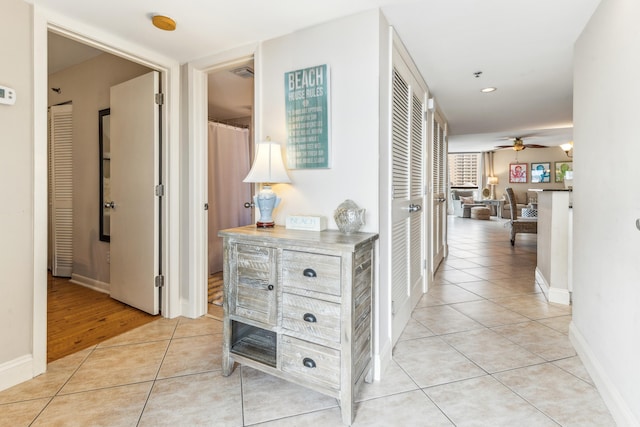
(523, 47)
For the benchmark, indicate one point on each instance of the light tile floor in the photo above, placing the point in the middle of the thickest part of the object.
(483, 348)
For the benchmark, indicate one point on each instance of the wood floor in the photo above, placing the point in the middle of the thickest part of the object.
(79, 317)
(214, 299)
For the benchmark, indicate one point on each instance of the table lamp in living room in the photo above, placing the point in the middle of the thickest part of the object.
(268, 168)
(492, 181)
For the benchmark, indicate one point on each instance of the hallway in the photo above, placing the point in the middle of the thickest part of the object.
(483, 348)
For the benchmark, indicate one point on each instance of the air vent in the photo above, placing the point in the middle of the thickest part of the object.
(244, 72)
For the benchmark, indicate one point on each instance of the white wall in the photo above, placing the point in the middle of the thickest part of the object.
(355, 50)
(16, 188)
(87, 86)
(606, 285)
(349, 47)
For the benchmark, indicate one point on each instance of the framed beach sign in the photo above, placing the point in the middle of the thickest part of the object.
(307, 111)
(540, 172)
(564, 170)
(518, 172)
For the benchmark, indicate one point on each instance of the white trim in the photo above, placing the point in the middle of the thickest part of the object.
(40, 195)
(196, 278)
(16, 371)
(620, 410)
(45, 20)
(555, 295)
(87, 282)
(172, 173)
(196, 135)
(382, 360)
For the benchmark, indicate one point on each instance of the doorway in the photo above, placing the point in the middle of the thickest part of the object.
(69, 64)
(230, 109)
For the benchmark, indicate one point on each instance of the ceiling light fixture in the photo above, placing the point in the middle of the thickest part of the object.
(518, 144)
(163, 22)
(488, 89)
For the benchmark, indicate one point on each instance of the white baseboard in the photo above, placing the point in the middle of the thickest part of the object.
(619, 409)
(188, 310)
(381, 361)
(96, 285)
(16, 371)
(555, 295)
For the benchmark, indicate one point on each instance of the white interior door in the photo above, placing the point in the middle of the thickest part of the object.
(408, 189)
(438, 191)
(61, 190)
(135, 230)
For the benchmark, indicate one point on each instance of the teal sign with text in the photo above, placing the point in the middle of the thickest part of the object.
(307, 110)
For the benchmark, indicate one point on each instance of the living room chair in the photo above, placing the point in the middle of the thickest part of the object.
(519, 225)
(462, 201)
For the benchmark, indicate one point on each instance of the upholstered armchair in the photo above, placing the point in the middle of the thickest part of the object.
(519, 225)
(463, 201)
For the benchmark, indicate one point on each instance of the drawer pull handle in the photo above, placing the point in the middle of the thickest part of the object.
(308, 317)
(308, 363)
(309, 272)
(270, 287)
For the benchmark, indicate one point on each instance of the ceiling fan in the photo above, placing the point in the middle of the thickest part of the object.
(519, 145)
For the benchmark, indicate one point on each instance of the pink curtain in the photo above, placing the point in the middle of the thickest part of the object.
(229, 162)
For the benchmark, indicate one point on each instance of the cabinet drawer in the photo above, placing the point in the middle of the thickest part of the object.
(308, 271)
(313, 362)
(312, 317)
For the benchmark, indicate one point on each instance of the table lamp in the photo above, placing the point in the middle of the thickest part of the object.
(268, 168)
(492, 181)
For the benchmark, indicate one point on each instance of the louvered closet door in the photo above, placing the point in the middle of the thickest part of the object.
(439, 205)
(407, 240)
(61, 189)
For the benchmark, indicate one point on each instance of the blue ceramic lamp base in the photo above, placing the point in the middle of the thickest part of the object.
(266, 201)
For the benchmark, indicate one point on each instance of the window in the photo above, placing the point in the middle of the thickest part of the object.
(463, 170)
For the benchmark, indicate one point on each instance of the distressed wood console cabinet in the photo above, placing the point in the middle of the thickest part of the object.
(297, 305)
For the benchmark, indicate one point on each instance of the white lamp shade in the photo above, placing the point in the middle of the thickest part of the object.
(492, 180)
(268, 166)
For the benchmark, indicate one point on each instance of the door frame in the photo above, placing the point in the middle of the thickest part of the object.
(44, 21)
(196, 273)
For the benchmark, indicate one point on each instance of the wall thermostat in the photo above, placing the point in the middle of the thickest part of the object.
(7, 95)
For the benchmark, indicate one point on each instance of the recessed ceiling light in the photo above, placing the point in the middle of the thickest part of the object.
(164, 22)
(488, 89)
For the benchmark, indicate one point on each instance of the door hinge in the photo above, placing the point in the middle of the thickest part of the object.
(160, 190)
(424, 264)
(160, 281)
(160, 98)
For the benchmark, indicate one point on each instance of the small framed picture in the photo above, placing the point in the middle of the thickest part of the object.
(541, 172)
(564, 170)
(518, 172)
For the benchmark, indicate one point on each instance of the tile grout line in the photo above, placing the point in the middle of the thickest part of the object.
(153, 382)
